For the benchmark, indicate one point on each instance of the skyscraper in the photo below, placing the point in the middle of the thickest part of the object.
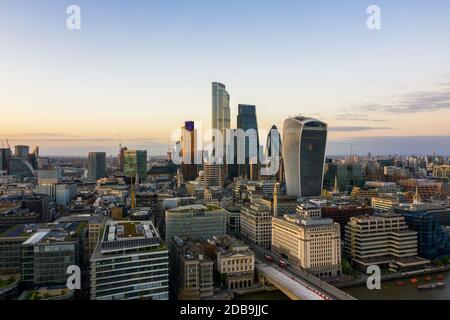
(21, 152)
(135, 163)
(220, 109)
(189, 150)
(96, 165)
(274, 149)
(5, 158)
(246, 120)
(304, 141)
(121, 158)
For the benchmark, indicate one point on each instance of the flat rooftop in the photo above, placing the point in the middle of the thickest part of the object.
(196, 208)
(45, 232)
(123, 230)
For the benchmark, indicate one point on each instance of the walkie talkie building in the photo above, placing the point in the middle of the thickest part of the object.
(304, 142)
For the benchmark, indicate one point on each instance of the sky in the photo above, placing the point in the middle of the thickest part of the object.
(138, 69)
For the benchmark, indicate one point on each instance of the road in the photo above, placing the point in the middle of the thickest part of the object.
(326, 290)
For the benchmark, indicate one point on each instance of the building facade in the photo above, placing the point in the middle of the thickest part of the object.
(308, 241)
(304, 141)
(130, 262)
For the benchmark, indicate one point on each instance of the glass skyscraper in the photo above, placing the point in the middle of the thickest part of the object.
(97, 165)
(246, 119)
(220, 109)
(135, 163)
(304, 142)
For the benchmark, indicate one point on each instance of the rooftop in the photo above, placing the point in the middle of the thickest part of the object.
(196, 208)
(45, 232)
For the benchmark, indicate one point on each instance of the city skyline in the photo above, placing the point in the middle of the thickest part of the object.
(131, 77)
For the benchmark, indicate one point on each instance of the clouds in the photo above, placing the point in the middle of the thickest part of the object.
(415, 102)
(355, 128)
(418, 145)
(356, 117)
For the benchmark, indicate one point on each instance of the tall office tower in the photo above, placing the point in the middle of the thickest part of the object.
(5, 158)
(189, 150)
(246, 120)
(135, 163)
(274, 148)
(121, 158)
(220, 110)
(130, 262)
(96, 165)
(21, 152)
(304, 141)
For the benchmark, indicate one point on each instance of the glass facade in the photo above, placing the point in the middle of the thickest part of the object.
(304, 142)
(135, 160)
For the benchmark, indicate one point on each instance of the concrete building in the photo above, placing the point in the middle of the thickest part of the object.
(130, 262)
(384, 240)
(256, 224)
(213, 175)
(234, 261)
(386, 203)
(196, 221)
(191, 269)
(308, 241)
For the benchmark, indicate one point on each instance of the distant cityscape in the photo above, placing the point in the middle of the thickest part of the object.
(153, 228)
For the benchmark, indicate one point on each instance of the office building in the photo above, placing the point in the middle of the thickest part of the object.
(189, 151)
(196, 221)
(220, 111)
(256, 223)
(274, 149)
(341, 213)
(130, 262)
(5, 158)
(343, 177)
(308, 241)
(304, 141)
(21, 152)
(246, 121)
(382, 239)
(96, 165)
(121, 158)
(213, 175)
(433, 236)
(191, 269)
(41, 252)
(135, 164)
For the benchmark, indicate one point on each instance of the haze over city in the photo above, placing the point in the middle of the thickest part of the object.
(136, 71)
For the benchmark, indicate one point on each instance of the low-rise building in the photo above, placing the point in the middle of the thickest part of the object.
(383, 239)
(191, 269)
(234, 261)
